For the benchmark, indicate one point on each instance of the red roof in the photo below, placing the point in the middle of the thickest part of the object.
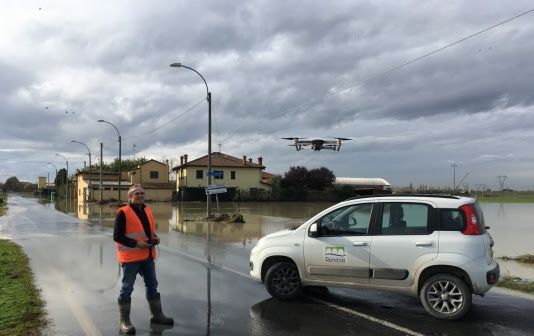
(266, 176)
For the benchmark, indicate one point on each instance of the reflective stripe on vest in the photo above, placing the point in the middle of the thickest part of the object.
(134, 230)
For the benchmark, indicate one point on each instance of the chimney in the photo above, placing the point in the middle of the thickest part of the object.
(260, 161)
(244, 159)
(185, 158)
(181, 160)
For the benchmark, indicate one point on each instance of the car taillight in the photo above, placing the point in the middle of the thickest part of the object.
(472, 227)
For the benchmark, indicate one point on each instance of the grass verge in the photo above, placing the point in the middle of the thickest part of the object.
(22, 311)
(506, 198)
(524, 258)
(516, 283)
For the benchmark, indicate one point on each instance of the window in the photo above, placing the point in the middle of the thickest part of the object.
(404, 218)
(232, 175)
(351, 220)
(218, 174)
(154, 174)
(200, 174)
(451, 220)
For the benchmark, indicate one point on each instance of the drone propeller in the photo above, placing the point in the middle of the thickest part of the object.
(293, 138)
(342, 139)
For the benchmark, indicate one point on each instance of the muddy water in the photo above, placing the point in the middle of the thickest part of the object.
(512, 228)
(511, 225)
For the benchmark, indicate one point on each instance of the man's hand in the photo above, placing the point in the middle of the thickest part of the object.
(142, 244)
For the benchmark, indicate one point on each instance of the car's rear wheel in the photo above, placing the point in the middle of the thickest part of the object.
(283, 281)
(446, 296)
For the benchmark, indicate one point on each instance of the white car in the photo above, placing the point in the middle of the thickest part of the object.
(433, 246)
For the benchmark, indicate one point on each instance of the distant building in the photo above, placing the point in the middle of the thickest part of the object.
(43, 184)
(365, 185)
(152, 175)
(245, 178)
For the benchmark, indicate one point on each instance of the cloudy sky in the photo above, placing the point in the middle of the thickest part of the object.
(275, 69)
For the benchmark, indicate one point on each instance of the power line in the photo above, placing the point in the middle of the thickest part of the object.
(381, 74)
(165, 124)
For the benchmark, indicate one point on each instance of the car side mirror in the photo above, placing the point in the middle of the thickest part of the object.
(312, 231)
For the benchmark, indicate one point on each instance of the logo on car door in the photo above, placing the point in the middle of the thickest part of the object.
(334, 254)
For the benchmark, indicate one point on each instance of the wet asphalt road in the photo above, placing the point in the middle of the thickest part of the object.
(206, 288)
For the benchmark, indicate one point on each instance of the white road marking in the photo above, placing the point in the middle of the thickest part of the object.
(368, 317)
(82, 316)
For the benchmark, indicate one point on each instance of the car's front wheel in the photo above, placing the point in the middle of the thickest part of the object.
(446, 296)
(283, 281)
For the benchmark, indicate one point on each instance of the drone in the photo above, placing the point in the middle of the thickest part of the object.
(317, 144)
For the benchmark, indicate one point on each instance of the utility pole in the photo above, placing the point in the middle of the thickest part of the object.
(502, 179)
(454, 165)
(101, 163)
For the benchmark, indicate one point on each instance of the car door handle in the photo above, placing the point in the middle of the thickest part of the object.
(359, 244)
(423, 243)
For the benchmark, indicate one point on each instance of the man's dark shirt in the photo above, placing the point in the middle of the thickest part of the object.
(120, 227)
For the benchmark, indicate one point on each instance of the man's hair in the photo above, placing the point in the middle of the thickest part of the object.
(132, 188)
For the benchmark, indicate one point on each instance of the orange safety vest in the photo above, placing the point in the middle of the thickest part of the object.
(134, 230)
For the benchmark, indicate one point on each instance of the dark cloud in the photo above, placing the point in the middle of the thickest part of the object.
(275, 69)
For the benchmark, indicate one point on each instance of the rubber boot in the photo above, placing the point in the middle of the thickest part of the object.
(157, 314)
(158, 329)
(126, 326)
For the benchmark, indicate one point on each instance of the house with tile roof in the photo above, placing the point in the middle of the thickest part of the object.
(242, 177)
(152, 175)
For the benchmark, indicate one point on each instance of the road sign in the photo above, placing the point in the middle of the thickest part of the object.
(212, 191)
(215, 173)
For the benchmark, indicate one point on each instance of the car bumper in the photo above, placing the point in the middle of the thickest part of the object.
(254, 265)
(483, 276)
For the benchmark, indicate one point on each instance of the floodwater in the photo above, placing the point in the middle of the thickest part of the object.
(511, 224)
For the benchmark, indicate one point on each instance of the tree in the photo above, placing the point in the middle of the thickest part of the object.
(320, 178)
(295, 177)
(61, 177)
(12, 184)
(126, 164)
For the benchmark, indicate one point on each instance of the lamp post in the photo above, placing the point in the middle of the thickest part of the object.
(88, 153)
(208, 98)
(66, 182)
(50, 163)
(118, 133)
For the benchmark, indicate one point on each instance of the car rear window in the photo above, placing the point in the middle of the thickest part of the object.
(454, 219)
(451, 220)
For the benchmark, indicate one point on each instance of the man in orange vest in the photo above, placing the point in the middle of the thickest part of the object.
(135, 237)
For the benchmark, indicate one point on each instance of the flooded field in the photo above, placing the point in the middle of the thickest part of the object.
(511, 225)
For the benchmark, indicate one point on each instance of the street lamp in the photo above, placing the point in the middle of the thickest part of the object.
(118, 133)
(208, 98)
(88, 153)
(66, 182)
(50, 163)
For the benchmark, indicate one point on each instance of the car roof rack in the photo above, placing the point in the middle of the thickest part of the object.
(406, 195)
